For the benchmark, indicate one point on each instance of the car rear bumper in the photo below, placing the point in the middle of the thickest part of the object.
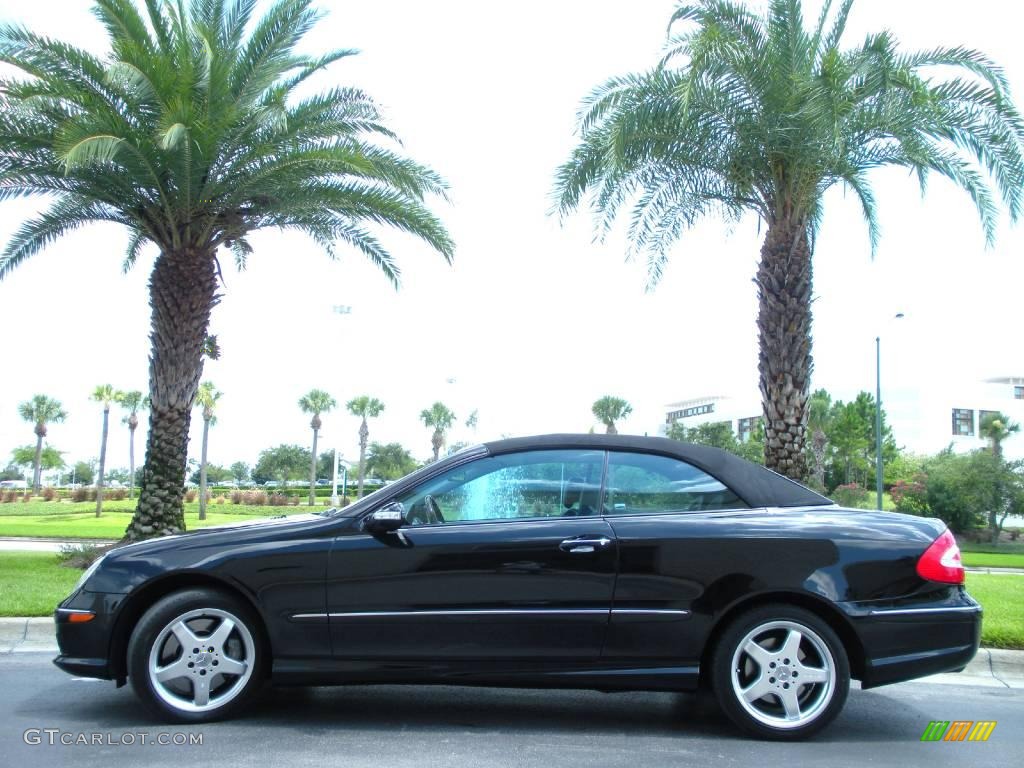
(907, 642)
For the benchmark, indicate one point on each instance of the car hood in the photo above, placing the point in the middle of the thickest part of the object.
(213, 530)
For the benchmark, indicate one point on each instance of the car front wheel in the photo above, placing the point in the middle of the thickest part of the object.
(780, 672)
(196, 655)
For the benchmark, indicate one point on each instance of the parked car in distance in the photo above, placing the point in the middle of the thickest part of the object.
(14, 485)
(577, 561)
(272, 484)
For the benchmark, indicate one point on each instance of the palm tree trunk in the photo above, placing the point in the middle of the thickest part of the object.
(784, 362)
(131, 462)
(37, 470)
(182, 295)
(364, 434)
(312, 471)
(610, 428)
(819, 441)
(436, 442)
(202, 471)
(103, 462)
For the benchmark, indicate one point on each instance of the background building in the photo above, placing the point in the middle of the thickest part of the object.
(923, 422)
(742, 412)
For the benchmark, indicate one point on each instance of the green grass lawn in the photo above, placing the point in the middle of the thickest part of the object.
(993, 559)
(32, 583)
(78, 520)
(1002, 597)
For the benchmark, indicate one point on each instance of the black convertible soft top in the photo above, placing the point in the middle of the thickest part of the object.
(756, 485)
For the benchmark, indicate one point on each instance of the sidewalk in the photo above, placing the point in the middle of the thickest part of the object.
(26, 544)
(991, 668)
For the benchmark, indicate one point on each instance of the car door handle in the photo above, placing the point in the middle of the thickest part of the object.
(584, 546)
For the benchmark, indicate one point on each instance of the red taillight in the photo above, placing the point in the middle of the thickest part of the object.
(941, 561)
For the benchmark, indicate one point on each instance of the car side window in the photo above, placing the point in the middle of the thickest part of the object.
(644, 483)
(531, 484)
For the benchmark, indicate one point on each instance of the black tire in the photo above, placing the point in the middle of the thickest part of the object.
(820, 654)
(197, 672)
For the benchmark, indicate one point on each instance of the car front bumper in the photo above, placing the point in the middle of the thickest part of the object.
(85, 646)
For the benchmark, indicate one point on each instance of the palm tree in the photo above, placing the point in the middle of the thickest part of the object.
(104, 394)
(610, 409)
(206, 398)
(365, 408)
(750, 114)
(316, 401)
(131, 402)
(194, 129)
(996, 427)
(439, 418)
(40, 411)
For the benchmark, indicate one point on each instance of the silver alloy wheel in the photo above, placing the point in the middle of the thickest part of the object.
(783, 674)
(201, 660)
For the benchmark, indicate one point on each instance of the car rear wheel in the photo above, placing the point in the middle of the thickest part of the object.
(196, 655)
(780, 672)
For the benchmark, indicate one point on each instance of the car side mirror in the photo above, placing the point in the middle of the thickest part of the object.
(388, 518)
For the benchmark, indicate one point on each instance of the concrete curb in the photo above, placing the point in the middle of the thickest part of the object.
(991, 668)
(27, 635)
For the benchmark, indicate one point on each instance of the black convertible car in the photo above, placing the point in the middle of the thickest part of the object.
(576, 561)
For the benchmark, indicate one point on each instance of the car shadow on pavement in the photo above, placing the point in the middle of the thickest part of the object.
(869, 716)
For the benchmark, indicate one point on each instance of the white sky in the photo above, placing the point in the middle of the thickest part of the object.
(534, 321)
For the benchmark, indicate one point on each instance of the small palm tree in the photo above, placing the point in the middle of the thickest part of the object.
(819, 418)
(40, 411)
(439, 418)
(996, 427)
(194, 128)
(365, 408)
(610, 409)
(104, 394)
(131, 402)
(759, 114)
(206, 399)
(316, 401)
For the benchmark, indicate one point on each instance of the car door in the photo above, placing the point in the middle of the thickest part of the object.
(671, 521)
(516, 566)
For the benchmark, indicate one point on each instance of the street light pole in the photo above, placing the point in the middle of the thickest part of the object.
(335, 501)
(878, 418)
(878, 413)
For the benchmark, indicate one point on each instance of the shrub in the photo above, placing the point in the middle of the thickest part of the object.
(116, 495)
(79, 494)
(8, 496)
(49, 494)
(236, 497)
(26, 497)
(221, 499)
(850, 495)
(911, 496)
(81, 555)
(190, 496)
(278, 500)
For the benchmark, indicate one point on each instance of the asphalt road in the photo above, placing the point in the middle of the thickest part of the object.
(422, 726)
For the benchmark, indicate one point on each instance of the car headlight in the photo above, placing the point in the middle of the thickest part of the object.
(87, 574)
